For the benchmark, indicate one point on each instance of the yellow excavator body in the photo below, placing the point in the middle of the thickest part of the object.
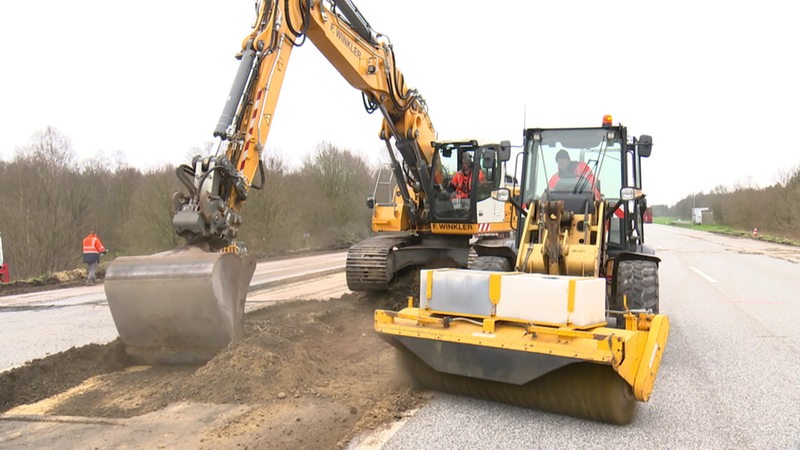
(185, 305)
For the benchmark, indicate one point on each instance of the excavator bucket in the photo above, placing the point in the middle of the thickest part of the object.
(531, 340)
(178, 307)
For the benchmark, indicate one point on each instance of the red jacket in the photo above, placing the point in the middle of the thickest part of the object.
(92, 244)
(581, 169)
(463, 183)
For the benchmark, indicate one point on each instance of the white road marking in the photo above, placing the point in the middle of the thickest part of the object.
(706, 277)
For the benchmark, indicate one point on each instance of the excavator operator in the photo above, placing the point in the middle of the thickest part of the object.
(461, 183)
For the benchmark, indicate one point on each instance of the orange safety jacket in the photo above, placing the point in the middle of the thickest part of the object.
(580, 169)
(92, 244)
(463, 183)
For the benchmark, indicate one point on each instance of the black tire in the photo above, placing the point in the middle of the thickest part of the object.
(492, 263)
(638, 280)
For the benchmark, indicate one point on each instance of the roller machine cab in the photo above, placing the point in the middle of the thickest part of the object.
(567, 321)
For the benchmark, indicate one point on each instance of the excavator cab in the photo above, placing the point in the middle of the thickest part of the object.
(436, 215)
(466, 178)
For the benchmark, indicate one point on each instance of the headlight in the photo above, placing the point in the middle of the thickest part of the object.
(630, 193)
(627, 193)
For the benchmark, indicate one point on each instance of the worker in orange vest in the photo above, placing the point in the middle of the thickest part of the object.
(92, 249)
(461, 183)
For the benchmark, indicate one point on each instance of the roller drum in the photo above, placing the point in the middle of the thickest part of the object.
(585, 390)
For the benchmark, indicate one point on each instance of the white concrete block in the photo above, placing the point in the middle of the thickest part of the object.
(544, 298)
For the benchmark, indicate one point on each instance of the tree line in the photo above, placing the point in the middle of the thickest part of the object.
(774, 209)
(50, 202)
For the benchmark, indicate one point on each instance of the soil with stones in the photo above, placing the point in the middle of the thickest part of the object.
(304, 365)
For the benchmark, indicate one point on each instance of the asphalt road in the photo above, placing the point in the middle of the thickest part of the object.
(728, 379)
(38, 324)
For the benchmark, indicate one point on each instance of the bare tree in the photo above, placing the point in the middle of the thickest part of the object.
(340, 182)
(272, 218)
(148, 226)
(52, 201)
(50, 149)
(207, 149)
(787, 205)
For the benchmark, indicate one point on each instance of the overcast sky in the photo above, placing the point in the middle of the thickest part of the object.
(715, 83)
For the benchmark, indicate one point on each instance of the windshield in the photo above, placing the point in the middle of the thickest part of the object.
(462, 174)
(573, 160)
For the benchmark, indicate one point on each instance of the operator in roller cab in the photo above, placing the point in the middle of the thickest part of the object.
(567, 168)
(604, 165)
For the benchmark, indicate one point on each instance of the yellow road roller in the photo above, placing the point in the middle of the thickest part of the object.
(568, 320)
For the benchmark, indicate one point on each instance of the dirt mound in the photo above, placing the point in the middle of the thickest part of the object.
(302, 365)
(43, 378)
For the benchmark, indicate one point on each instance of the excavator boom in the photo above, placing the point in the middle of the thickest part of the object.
(156, 300)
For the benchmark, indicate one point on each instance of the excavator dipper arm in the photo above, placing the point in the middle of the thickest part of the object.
(218, 186)
(184, 305)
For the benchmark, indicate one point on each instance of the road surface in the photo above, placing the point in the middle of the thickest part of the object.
(728, 379)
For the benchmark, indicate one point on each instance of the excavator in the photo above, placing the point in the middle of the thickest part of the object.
(184, 305)
(453, 221)
(567, 320)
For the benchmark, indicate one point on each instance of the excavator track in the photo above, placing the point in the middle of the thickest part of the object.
(370, 265)
(584, 390)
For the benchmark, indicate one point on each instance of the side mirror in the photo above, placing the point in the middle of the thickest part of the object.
(504, 153)
(502, 194)
(645, 145)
